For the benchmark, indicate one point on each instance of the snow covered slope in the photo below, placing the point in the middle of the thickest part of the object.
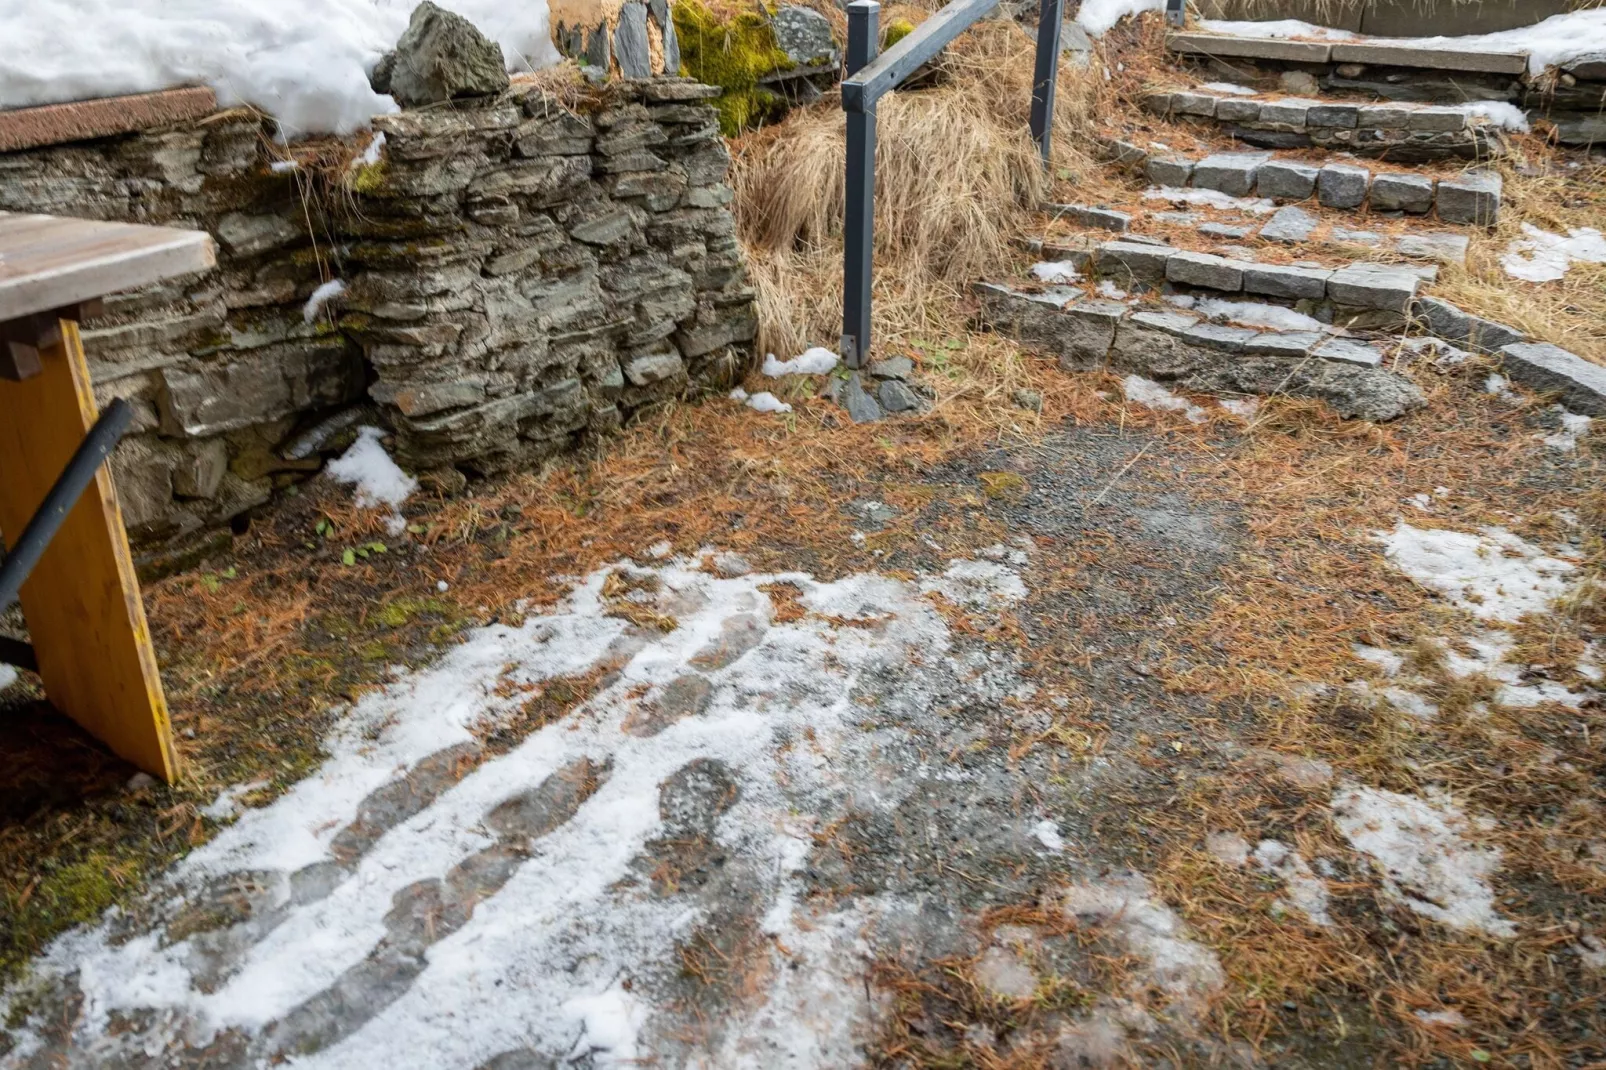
(305, 62)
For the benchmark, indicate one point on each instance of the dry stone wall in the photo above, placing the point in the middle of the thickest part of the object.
(518, 275)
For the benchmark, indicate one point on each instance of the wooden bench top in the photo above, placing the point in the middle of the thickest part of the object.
(48, 262)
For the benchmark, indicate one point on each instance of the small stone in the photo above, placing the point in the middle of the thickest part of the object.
(1446, 248)
(1350, 70)
(1472, 198)
(1345, 236)
(653, 368)
(892, 368)
(1193, 104)
(804, 35)
(1232, 173)
(1402, 193)
(1030, 400)
(895, 396)
(442, 56)
(1345, 351)
(1102, 218)
(141, 782)
(1290, 224)
(862, 408)
(1335, 116)
(1283, 180)
(1342, 185)
(1436, 120)
(1173, 171)
(1299, 83)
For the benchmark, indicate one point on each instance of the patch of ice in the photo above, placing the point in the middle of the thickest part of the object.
(226, 807)
(1410, 702)
(1257, 314)
(1170, 958)
(320, 297)
(1573, 427)
(304, 62)
(284, 167)
(1453, 1019)
(1232, 89)
(1243, 408)
(1307, 892)
(1546, 257)
(978, 585)
(1496, 575)
(609, 1026)
(1152, 395)
(1048, 834)
(1098, 16)
(1210, 198)
(1500, 387)
(1228, 848)
(1110, 290)
(378, 481)
(1390, 662)
(1499, 114)
(1423, 502)
(815, 361)
(1422, 852)
(8, 676)
(1275, 28)
(1056, 271)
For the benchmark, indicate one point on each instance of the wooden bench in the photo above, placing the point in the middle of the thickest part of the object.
(81, 600)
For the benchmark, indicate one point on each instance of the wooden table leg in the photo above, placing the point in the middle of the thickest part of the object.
(82, 601)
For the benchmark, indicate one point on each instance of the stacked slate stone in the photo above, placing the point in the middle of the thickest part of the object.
(518, 276)
(529, 273)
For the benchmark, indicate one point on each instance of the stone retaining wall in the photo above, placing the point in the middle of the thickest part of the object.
(517, 276)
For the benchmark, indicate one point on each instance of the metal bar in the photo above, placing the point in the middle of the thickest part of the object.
(862, 88)
(16, 652)
(1049, 22)
(1176, 12)
(864, 17)
(30, 546)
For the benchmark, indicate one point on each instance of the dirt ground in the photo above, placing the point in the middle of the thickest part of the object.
(1021, 852)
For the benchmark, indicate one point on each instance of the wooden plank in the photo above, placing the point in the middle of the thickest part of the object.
(57, 124)
(48, 263)
(82, 601)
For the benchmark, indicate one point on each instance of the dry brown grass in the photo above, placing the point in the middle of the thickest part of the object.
(956, 178)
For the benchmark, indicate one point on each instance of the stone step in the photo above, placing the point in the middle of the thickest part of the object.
(1186, 350)
(1404, 133)
(1470, 198)
(1370, 51)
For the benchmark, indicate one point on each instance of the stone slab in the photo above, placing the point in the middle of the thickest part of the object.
(1277, 280)
(1436, 120)
(1203, 269)
(1290, 224)
(1472, 198)
(57, 124)
(1082, 215)
(1347, 351)
(1220, 336)
(1342, 185)
(1232, 173)
(1284, 180)
(1283, 343)
(1402, 193)
(1210, 44)
(1285, 114)
(1139, 261)
(1439, 59)
(1173, 171)
(1552, 369)
(1373, 286)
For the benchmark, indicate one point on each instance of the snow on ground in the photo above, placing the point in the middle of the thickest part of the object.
(1496, 575)
(1243, 408)
(1557, 40)
(815, 361)
(563, 955)
(1307, 893)
(305, 62)
(763, 401)
(1423, 850)
(1098, 16)
(1048, 834)
(1110, 291)
(1546, 257)
(1249, 313)
(1210, 198)
(1056, 271)
(1574, 426)
(1230, 88)
(978, 585)
(378, 481)
(1499, 113)
(1152, 395)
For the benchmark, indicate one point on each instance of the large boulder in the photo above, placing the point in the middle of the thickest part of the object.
(441, 57)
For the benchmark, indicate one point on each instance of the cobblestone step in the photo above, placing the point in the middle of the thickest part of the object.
(1406, 133)
(1375, 51)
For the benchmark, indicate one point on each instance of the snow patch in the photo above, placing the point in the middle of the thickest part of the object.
(1307, 893)
(1282, 28)
(1499, 114)
(1243, 408)
(1210, 198)
(320, 297)
(1422, 851)
(1232, 89)
(1056, 271)
(1546, 257)
(1048, 834)
(1152, 395)
(1110, 290)
(1574, 426)
(378, 481)
(1098, 16)
(1257, 314)
(978, 585)
(1496, 575)
(304, 62)
(8, 676)
(763, 401)
(815, 361)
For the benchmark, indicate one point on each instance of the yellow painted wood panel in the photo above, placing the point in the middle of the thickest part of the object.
(82, 601)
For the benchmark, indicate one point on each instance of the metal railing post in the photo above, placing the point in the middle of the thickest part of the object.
(1050, 17)
(1176, 12)
(864, 17)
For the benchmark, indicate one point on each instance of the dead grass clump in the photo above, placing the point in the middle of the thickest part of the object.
(956, 175)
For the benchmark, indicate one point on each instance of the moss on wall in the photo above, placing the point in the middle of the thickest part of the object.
(733, 52)
(896, 31)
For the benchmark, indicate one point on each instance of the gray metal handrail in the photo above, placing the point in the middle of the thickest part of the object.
(869, 78)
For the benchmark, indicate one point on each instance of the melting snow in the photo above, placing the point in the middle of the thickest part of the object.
(1307, 892)
(978, 585)
(1499, 113)
(1048, 834)
(1108, 289)
(1422, 851)
(1243, 408)
(8, 676)
(1546, 257)
(1230, 88)
(378, 480)
(1098, 16)
(1275, 28)
(1210, 198)
(1059, 271)
(1257, 314)
(816, 361)
(1574, 426)
(763, 401)
(1152, 395)
(1496, 575)
(320, 297)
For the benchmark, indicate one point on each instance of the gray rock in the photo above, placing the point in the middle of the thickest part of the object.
(630, 41)
(1285, 114)
(804, 35)
(1402, 193)
(1580, 385)
(1342, 185)
(1345, 236)
(1122, 153)
(1373, 286)
(1237, 110)
(443, 56)
(1276, 280)
(1491, 337)
(1290, 224)
(1174, 171)
(1232, 173)
(1436, 120)
(200, 473)
(862, 408)
(653, 368)
(1442, 319)
(892, 368)
(1193, 104)
(1226, 230)
(1284, 180)
(244, 234)
(1284, 343)
(1170, 322)
(1101, 218)
(1203, 269)
(895, 396)
(1030, 400)
(1348, 351)
(1299, 83)
(1219, 336)
(1133, 260)
(1472, 198)
(1337, 116)
(1446, 248)
(1384, 117)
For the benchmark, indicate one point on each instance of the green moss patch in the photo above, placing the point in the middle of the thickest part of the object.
(732, 52)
